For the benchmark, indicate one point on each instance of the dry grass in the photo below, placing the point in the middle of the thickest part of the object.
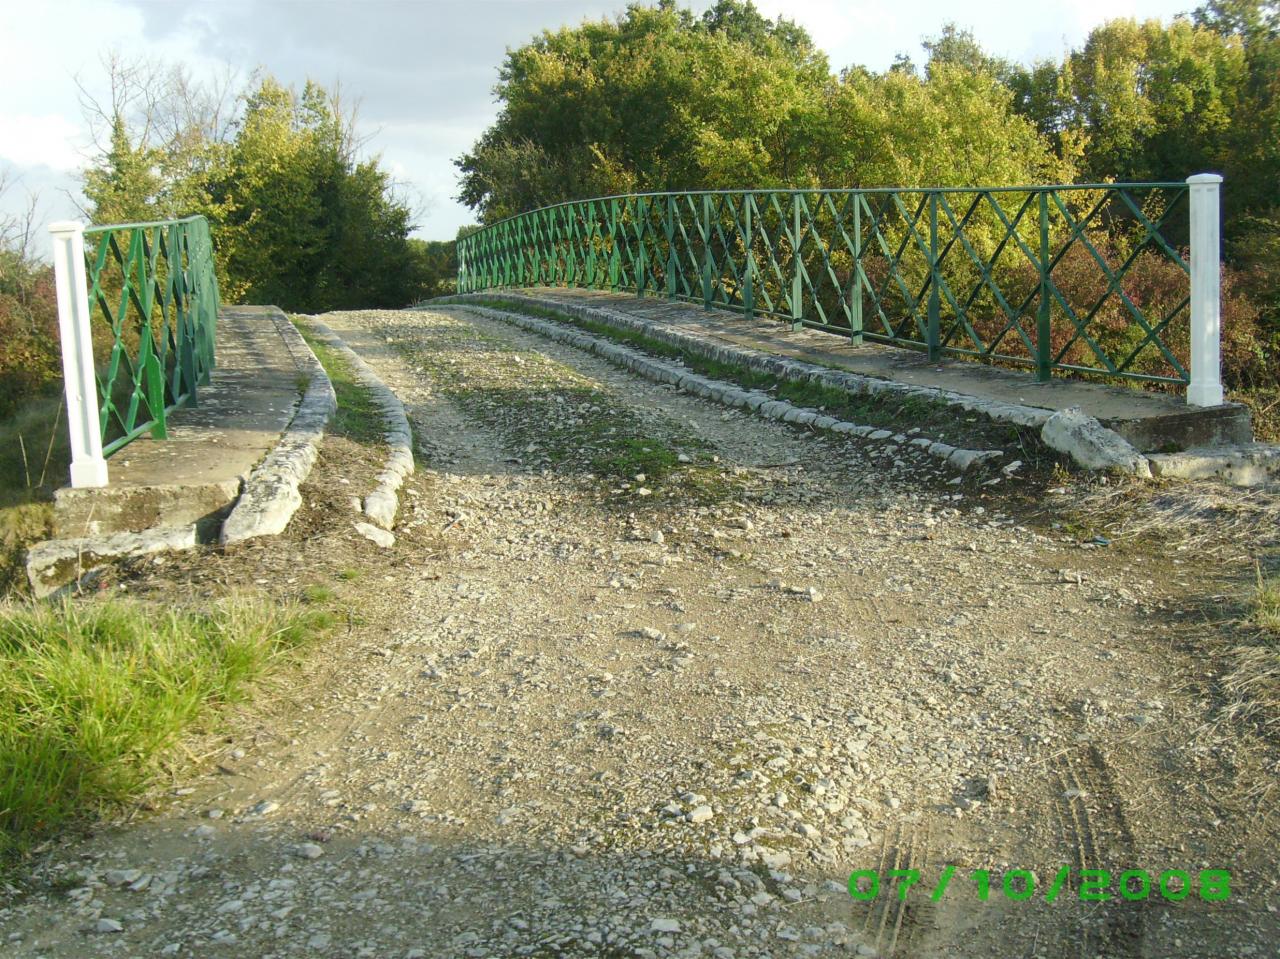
(1253, 677)
(1225, 523)
(1232, 530)
(1265, 606)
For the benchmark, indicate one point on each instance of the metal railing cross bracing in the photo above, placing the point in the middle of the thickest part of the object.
(1108, 279)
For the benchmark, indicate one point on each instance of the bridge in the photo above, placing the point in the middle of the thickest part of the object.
(704, 550)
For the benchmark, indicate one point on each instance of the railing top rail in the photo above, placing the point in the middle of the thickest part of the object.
(148, 223)
(1041, 188)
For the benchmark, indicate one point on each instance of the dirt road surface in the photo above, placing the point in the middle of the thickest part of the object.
(643, 676)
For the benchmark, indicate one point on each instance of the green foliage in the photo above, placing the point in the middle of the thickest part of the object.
(94, 697)
(956, 127)
(1156, 102)
(436, 264)
(29, 360)
(299, 220)
(656, 99)
(661, 100)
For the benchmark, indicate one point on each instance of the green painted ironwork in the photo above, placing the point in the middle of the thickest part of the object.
(1089, 278)
(153, 295)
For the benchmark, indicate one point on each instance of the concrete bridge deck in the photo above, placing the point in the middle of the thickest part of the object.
(1151, 421)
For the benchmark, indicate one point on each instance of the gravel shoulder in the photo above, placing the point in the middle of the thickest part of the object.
(644, 676)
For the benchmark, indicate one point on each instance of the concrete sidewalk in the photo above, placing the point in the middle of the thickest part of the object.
(195, 476)
(1150, 421)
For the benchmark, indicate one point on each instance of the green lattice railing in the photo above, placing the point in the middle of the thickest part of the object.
(1084, 278)
(153, 299)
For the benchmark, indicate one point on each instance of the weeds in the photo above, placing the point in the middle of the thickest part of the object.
(34, 457)
(358, 417)
(1253, 680)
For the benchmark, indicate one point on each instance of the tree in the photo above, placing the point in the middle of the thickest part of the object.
(956, 128)
(655, 99)
(299, 218)
(29, 361)
(1155, 102)
(311, 227)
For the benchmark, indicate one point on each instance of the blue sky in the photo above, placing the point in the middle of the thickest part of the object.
(423, 70)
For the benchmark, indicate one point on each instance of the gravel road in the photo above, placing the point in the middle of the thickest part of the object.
(644, 676)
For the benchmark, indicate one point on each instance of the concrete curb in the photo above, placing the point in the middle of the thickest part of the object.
(663, 371)
(1251, 464)
(382, 504)
(855, 384)
(271, 495)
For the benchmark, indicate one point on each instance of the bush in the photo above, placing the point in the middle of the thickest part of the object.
(30, 362)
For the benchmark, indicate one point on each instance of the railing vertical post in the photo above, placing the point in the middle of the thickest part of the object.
(639, 217)
(855, 306)
(671, 246)
(933, 337)
(589, 220)
(184, 292)
(706, 251)
(1044, 318)
(748, 295)
(88, 467)
(1205, 388)
(797, 287)
(613, 244)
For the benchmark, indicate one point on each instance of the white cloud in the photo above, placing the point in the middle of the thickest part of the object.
(48, 139)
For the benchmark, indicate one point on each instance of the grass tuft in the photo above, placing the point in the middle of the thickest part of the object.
(1265, 606)
(93, 697)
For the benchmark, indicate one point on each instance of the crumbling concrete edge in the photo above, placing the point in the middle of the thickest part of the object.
(1249, 464)
(784, 367)
(664, 371)
(382, 504)
(271, 496)
(58, 564)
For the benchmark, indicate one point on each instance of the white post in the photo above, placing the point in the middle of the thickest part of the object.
(1205, 388)
(88, 468)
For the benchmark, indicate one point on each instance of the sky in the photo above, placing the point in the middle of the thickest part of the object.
(422, 70)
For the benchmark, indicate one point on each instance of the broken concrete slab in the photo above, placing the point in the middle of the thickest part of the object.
(1092, 445)
(56, 563)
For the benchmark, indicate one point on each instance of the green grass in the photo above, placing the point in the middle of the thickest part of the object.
(934, 418)
(358, 417)
(94, 697)
(628, 457)
(318, 594)
(1264, 607)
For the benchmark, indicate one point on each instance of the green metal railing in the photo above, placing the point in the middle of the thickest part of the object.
(153, 296)
(1087, 278)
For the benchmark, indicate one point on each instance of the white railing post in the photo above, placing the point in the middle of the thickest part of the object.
(1205, 388)
(88, 467)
